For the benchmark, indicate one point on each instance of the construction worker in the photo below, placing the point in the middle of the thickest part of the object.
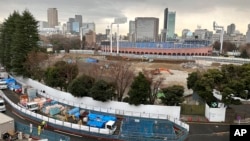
(43, 124)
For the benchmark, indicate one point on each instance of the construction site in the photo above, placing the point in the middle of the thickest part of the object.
(173, 72)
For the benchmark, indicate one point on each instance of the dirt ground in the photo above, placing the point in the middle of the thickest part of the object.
(178, 77)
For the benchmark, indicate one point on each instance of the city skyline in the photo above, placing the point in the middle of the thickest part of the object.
(189, 14)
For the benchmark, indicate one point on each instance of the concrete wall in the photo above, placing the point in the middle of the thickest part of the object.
(172, 112)
(215, 114)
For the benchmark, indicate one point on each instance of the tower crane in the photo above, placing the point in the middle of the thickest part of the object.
(221, 28)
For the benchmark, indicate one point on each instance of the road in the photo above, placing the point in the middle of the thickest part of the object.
(208, 132)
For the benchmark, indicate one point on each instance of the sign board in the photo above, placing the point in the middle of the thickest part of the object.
(120, 20)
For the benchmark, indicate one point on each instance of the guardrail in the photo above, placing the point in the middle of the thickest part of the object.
(117, 111)
(66, 126)
(38, 117)
(101, 109)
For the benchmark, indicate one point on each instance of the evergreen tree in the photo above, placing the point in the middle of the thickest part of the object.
(173, 95)
(139, 92)
(102, 91)
(25, 40)
(8, 31)
(81, 86)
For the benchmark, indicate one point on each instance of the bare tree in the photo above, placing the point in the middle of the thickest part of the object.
(34, 63)
(122, 76)
(155, 83)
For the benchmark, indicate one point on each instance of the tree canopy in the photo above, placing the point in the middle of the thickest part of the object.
(102, 91)
(61, 74)
(230, 80)
(173, 95)
(81, 86)
(139, 92)
(19, 36)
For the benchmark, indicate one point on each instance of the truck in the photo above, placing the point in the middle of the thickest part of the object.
(4, 75)
(2, 105)
(27, 104)
(3, 85)
(6, 124)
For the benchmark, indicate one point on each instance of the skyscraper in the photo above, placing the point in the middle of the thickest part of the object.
(146, 29)
(78, 18)
(165, 25)
(52, 17)
(231, 29)
(171, 25)
(131, 31)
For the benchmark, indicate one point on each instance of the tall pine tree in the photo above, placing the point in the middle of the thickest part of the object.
(8, 30)
(25, 40)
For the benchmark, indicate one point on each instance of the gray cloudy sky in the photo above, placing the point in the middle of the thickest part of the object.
(189, 13)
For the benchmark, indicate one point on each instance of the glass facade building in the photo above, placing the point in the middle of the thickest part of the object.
(171, 25)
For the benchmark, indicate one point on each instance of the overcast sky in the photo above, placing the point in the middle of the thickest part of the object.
(189, 13)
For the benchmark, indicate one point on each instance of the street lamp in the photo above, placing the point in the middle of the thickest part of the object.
(111, 38)
(117, 21)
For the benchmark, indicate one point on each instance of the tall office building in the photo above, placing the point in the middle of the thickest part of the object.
(146, 29)
(165, 25)
(52, 17)
(132, 31)
(78, 18)
(70, 25)
(171, 25)
(231, 29)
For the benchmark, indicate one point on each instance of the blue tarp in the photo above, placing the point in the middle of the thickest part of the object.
(98, 124)
(97, 117)
(15, 86)
(9, 80)
(91, 60)
(73, 111)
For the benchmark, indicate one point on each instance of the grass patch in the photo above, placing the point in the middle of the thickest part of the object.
(192, 109)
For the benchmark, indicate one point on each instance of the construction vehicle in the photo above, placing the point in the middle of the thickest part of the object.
(2, 105)
(160, 70)
(27, 104)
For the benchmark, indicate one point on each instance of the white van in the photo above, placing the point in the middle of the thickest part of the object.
(2, 105)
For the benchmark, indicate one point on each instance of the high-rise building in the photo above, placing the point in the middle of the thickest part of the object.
(165, 25)
(70, 25)
(171, 25)
(52, 17)
(248, 34)
(231, 29)
(131, 31)
(131, 27)
(78, 18)
(146, 29)
(75, 28)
